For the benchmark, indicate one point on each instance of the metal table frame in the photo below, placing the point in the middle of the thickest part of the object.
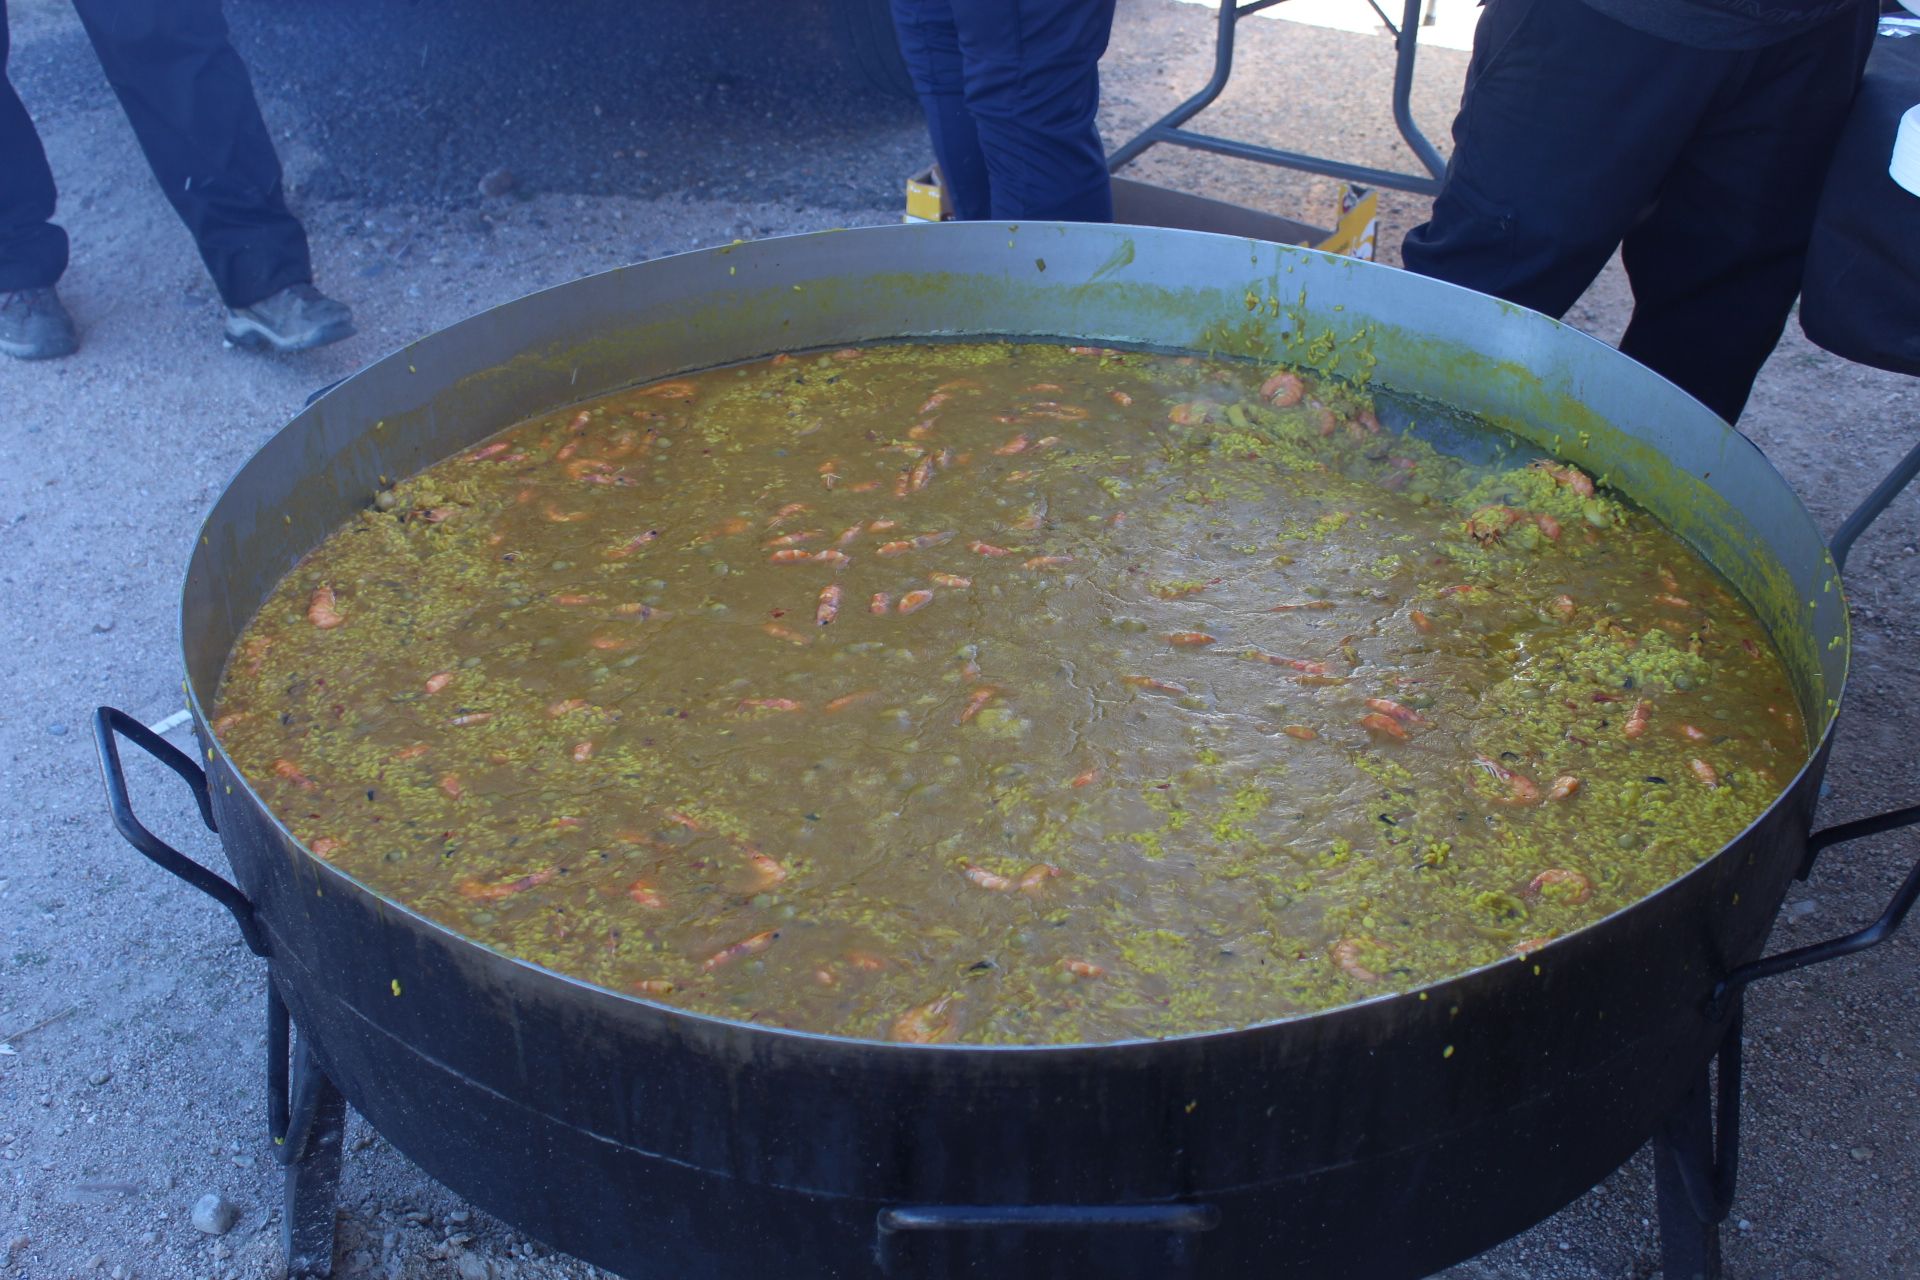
(1169, 128)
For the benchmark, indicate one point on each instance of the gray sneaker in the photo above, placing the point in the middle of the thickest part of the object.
(298, 318)
(34, 326)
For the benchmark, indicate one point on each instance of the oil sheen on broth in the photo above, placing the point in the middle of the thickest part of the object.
(1005, 693)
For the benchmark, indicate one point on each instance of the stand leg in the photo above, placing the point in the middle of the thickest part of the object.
(1693, 1174)
(309, 1122)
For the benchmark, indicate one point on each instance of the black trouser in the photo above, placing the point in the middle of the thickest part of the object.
(187, 95)
(1577, 135)
(1010, 88)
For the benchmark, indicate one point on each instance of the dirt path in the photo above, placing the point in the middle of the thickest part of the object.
(130, 1077)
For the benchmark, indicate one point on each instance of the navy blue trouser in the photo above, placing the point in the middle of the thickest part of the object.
(190, 102)
(1578, 135)
(1010, 88)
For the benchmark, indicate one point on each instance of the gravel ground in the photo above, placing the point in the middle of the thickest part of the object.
(131, 1034)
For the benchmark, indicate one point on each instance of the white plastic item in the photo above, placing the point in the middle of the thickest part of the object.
(1905, 166)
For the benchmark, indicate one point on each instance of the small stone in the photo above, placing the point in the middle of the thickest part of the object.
(1744, 1225)
(498, 182)
(459, 1215)
(244, 1162)
(16, 1245)
(99, 1078)
(119, 1273)
(214, 1214)
(103, 626)
(473, 1267)
(1861, 1153)
(94, 1263)
(57, 729)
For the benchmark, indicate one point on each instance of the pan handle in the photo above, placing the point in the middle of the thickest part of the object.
(106, 723)
(1182, 1220)
(1880, 930)
(1868, 511)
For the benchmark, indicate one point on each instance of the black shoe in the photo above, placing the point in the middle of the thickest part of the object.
(34, 326)
(298, 318)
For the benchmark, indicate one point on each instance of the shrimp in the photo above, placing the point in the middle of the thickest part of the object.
(1283, 390)
(928, 1023)
(950, 580)
(1673, 601)
(1019, 444)
(1048, 562)
(1158, 686)
(468, 718)
(566, 706)
(829, 606)
(323, 846)
(495, 890)
(788, 634)
(981, 696)
(1300, 731)
(669, 391)
(1566, 476)
(1085, 779)
(1382, 724)
(914, 601)
(1705, 772)
(791, 555)
(451, 784)
(850, 700)
(1296, 664)
(653, 987)
(988, 549)
(646, 895)
(1120, 398)
(829, 473)
(486, 451)
(767, 872)
(792, 539)
(291, 772)
(631, 545)
(1421, 622)
(582, 751)
(1693, 733)
(1562, 605)
(1347, 954)
(1637, 720)
(879, 602)
(769, 704)
(752, 946)
(1387, 706)
(989, 880)
(1036, 876)
(1563, 786)
(921, 475)
(1561, 885)
(1082, 968)
(438, 681)
(321, 609)
(1520, 788)
(1191, 639)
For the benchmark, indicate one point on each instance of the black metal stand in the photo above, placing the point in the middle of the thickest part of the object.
(1696, 1159)
(308, 1121)
(1168, 128)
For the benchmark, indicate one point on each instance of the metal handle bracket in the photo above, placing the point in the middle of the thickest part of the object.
(107, 722)
(1880, 930)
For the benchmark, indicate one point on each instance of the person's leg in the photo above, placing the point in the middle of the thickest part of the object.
(1033, 88)
(931, 47)
(1568, 125)
(33, 251)
(1716, 266)
(191, 104)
